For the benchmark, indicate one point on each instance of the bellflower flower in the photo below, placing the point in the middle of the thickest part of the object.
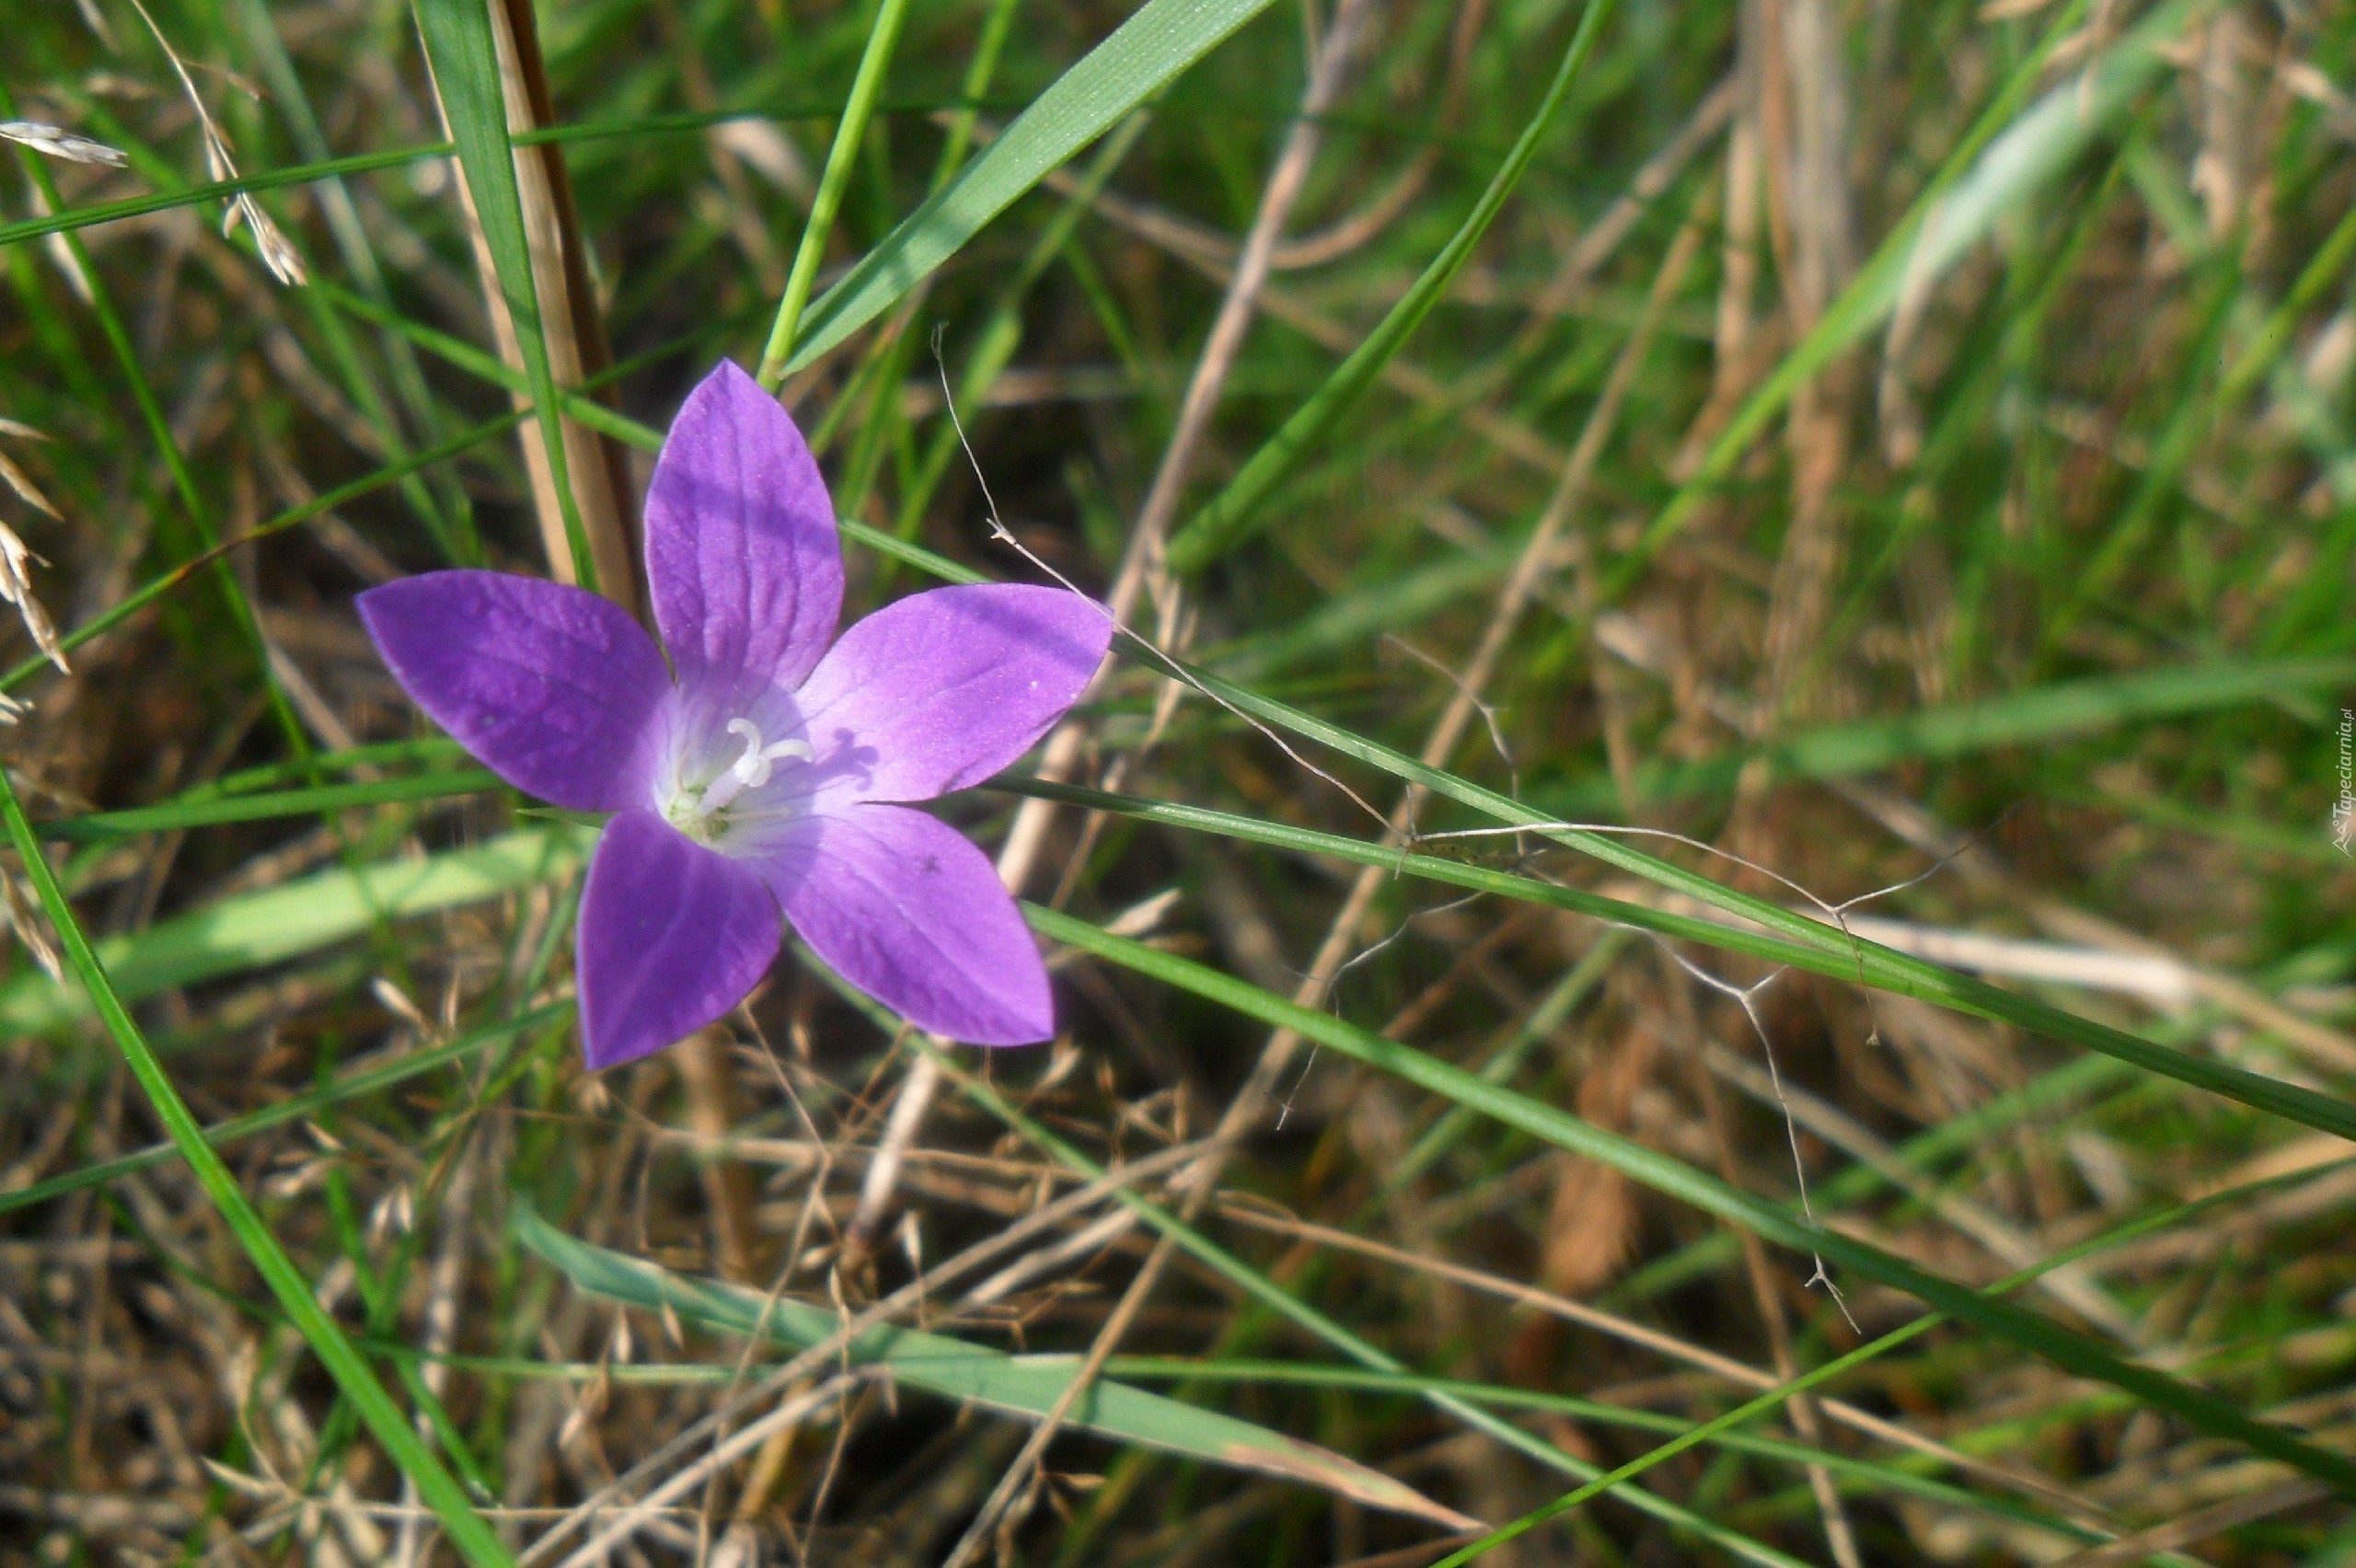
(761, 771)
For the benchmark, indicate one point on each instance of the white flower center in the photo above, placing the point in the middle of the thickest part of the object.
(692, 810)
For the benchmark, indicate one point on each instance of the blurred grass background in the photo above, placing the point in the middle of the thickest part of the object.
(1886, 457)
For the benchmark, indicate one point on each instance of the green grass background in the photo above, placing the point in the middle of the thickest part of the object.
(1878, 455)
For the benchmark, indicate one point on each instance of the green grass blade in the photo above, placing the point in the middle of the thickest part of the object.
(2053, 711)
(214, 190)
(1848, 958)
(295, 1108)
(1218, 525)
(1024, 1386)
(1867, 962)
(2017, 1325)
(424, 749)
(1142, 55)
(171, 817)
(440, 1492)
(1860, 1475)
(882, 39)
(315, 170)
(2029, 153)
(1807, 943)
(297, 918)
(2276, 334)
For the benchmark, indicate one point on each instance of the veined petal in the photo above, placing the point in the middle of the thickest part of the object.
(941, 690)
(672, 936)
(741, 548)
(904, 908)
(557, 690)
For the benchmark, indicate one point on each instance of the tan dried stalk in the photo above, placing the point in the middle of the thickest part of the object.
(570, 326)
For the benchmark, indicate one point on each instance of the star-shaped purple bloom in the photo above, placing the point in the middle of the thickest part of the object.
(757, 772)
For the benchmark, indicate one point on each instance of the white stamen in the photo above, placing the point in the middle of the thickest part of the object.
(751, 770)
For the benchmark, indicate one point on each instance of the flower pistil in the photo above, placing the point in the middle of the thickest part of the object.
(692, 811)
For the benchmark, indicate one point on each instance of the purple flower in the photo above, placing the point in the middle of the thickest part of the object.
(757, 774)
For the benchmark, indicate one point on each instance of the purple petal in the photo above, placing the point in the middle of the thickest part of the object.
(672, 936)
(557, 690)
(904, 908)
(741, 548)
(943, 689)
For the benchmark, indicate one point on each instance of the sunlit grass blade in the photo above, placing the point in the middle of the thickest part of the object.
(2048, 713)
(253, 930)
(98, 212)
(1807, 943)
(213, 813)
(1142, 55)
(978, 1375)
(1863, 1476)
(1868, 961)
(883, 36)
(390, 1425)
(2053, 711)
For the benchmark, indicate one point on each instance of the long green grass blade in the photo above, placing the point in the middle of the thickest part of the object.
(97, 213)
(1860, 1475)
(882, 37)
(1216, 527)
(1672, 1178)
(1868, 961)
(468, 1532)
(100, 826)
(2053, 711)
(1834, 952)
(976, 1374)
(1142, 55)
(258, 928)
(320, 169)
